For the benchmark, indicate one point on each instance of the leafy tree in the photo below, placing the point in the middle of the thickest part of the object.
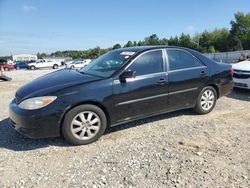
(241, 28)
(41, 55)
(140, 43)
(163, 41)
(104, 51)
(211, 49)
(235, 43)
(129, 44)
(220, 39)
(185, 41)
(95, 52)
(152, 40)
(205, 41)
(173, 41)
(5, 58)
(116, 46)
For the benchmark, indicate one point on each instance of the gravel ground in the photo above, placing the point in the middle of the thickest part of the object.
(179, 149)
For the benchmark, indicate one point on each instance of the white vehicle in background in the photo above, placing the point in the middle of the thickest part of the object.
(241, 74)
(45, 63)
(69, 62)
(78, 64)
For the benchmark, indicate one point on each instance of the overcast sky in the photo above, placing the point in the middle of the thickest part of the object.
(31, 26)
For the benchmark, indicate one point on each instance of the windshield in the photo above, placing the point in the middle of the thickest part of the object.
(107, 64)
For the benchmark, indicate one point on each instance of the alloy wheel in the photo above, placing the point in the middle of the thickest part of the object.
(85, 125)
(207, 99)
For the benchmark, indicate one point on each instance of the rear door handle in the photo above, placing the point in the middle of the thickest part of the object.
(162, 81)
(203, 73)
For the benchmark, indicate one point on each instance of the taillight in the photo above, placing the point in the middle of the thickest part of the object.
(232, 72)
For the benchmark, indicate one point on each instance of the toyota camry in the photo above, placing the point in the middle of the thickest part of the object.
(120, 86)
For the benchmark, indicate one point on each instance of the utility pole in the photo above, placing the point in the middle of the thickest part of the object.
(198, 43)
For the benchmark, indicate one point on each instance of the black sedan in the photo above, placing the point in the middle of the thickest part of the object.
(120, 86)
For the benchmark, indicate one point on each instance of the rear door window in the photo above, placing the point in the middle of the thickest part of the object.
(179, 59)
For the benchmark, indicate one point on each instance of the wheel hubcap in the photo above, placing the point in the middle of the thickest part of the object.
(207, 99)
(85, 125)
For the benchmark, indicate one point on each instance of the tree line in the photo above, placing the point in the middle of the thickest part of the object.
(218, 40)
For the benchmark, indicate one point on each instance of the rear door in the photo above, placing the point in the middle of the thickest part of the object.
(49, 63)
(186, 75)
(147, 92)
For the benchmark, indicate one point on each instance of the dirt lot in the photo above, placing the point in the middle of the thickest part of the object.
(179, 149)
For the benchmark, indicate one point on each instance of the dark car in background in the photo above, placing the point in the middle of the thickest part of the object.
(120, 86)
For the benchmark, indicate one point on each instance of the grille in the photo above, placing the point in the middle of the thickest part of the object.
(13, 124)
(241, 74)
(18, 99)
(240, 84)
(243, 71)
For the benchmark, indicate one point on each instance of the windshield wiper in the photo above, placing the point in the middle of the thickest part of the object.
(89, 74)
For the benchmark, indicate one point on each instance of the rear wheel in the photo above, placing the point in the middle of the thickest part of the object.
(72, 67)
(84, 124)
(6, 69)
(206, 100)
(55, 66)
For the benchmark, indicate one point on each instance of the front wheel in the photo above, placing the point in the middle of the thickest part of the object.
(32, 67)
(84, 124)
(206, 100)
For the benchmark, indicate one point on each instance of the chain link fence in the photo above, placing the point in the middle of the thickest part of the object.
(228, 57)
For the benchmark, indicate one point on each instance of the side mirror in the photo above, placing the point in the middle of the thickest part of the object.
(127, 74)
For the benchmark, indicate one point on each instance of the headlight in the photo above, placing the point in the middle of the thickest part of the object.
(36, 102)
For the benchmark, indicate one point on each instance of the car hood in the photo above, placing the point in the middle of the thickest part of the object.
(244, 65)
(52, 82)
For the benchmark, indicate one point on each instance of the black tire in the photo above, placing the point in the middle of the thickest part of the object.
(55, 66)
(32, 67)
(198, 107)
(72, 114)
(72, 66)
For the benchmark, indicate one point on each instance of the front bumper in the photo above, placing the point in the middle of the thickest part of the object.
(242, 83)
(41, 123)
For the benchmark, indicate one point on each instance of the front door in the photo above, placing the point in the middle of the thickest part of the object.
(145, 94)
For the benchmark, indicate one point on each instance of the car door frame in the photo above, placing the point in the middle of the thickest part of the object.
(164, 72)
(195, 90)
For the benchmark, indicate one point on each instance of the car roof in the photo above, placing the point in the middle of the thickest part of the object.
(141, 49)
(137, 49)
